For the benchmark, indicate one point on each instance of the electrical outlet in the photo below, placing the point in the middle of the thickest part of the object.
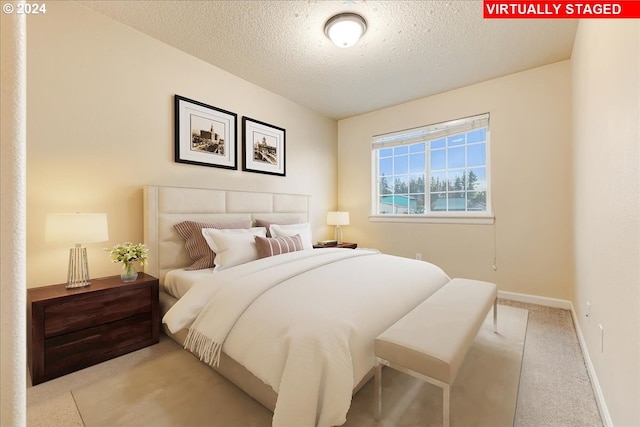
(588, 312)
(419, 256)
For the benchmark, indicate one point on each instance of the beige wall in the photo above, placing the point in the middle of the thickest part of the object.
(606, 135)
(100, 126)
(531, 183)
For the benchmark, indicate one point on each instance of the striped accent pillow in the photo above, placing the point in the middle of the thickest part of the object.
(270, 246)
(195, 243)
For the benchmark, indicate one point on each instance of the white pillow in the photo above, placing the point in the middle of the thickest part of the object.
(304, 230)
(233, 246)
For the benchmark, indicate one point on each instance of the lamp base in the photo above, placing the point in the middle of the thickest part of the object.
(78, 273)
(337, 235)
(77, 285)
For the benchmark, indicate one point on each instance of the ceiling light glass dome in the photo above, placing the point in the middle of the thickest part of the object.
(345, 29)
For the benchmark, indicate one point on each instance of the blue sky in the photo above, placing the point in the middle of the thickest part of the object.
(446, 158)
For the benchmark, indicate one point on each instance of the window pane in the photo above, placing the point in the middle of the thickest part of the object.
(438, 202)
(397, 204)
(416, 185)
(477, 135)
(438, 159)
(385, 166)
(384, 186)
(476, 155)
(438, 143)
(457, 181)
(456, 201)
(386, 152)
(477, 179)
(403, 149)
(385, 206)
(400, 164)
(455, 140)
(438, 182)
(417, 148)
(477, 201)
(407, 204)
(401, 185)
(419, 207)
(456, 157)
(416, 163)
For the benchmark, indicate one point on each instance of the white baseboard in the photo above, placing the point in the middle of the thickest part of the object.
(533, 299)
(568, 305)
(595, 384)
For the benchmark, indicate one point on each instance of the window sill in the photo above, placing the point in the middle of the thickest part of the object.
(450, 219)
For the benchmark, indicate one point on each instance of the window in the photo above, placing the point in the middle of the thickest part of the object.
(438, 170)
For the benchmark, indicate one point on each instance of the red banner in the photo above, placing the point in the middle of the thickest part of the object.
(517, 9)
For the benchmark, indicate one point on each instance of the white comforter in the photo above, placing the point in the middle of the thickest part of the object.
(304, 322)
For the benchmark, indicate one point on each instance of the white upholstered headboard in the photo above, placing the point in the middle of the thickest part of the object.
(166, 206)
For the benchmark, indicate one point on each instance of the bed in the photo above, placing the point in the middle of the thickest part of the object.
(296, 330)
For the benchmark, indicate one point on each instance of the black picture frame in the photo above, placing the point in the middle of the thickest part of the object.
(264, 147)
(205, 135)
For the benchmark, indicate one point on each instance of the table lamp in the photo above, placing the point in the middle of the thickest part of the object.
(338, 219)
(74, 228)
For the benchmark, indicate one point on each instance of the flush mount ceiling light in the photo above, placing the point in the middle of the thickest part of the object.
(345, 29)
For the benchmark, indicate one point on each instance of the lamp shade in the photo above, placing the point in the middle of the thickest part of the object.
(345, 29)
(338, 218)
(76, 228)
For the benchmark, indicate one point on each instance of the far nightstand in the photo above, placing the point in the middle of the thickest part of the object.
(71, 329)
(346, 245)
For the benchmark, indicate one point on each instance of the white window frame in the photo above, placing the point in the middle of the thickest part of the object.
(426, 134)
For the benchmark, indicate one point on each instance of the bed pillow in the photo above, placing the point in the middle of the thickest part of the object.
(233, 247)
(304, 230)
(270, 246)
(267, 223)
(195, 244)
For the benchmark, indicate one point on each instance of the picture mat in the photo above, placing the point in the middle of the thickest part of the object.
(193, 117)
(256, 132)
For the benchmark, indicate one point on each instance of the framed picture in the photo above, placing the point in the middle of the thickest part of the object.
(264, 147)
(205, 135)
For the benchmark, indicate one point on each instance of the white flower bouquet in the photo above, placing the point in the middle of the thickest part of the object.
(127, 253)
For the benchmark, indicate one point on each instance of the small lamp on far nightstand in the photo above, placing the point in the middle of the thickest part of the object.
(74, 228)
(338, 219)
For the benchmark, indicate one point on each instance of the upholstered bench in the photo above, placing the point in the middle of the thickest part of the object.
(431, 341)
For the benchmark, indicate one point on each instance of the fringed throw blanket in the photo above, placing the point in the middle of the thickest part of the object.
(211, 327)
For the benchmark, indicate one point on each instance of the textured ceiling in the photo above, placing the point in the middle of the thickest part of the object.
(411, 49)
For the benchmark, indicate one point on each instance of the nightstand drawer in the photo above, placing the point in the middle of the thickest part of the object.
(71, 329)
(77, 350)
(83, 312)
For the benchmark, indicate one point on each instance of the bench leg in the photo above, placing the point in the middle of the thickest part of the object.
(495, 315)
(378, 375)
(445, 405)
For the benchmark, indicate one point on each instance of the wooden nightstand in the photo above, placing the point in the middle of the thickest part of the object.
(71, 329)
(346, 245)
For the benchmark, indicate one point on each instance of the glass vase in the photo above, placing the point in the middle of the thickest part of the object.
(129, 273)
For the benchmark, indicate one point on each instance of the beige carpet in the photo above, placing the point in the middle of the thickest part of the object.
(175, 389)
